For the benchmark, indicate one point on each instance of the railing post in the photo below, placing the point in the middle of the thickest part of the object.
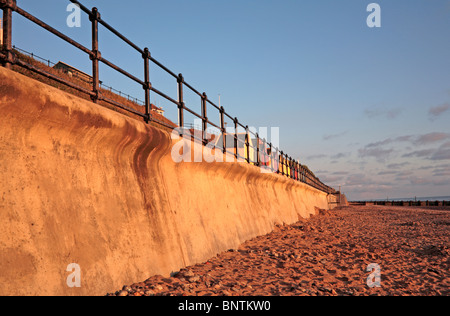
(236, 126)
(286, 160)
(291, 167)
(288, 167)
(180, 81)
(295, 170)
(258, 160)
(147, 85)
(204, 118)
(94, 18)
(277, 157)
(280, 162)
(223, 130)
(247, 143)
(8, 6)
(294, 174)
(264, 145)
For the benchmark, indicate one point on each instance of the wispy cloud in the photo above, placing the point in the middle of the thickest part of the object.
(441, 154)
(357, 179)
(314, 157)
(419, 153)
(341, 173)
(332, 136)
(418, 140)
(340, 155)
(442, 172)
(380, 154)
(388, 141)
(387, 172)
(383, 113)
(437, 111)
(397, 165)
(385, 149)
(430, 138)
(331, 179)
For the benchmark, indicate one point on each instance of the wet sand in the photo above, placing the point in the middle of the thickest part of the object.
(328, 254)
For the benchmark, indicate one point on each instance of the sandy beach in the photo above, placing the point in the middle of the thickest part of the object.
(328, 254)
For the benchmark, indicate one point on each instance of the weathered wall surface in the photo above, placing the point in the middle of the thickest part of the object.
(83, 184)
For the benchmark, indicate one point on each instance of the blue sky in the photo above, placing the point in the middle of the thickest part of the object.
(364, 108)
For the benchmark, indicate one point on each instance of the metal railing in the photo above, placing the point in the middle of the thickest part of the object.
(267, 155)
(50, 63)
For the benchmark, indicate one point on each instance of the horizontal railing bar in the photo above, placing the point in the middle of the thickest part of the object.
(192, 112)
(212, 124)
(163, 67)
(229, 116)
(124, 107)
(212, 103)
(126, 40)
(82, 7)
(109, 27)
(164, 96)
(32, 55)
(162, 123)
(252, 133)
(122, 94)
(193, 90)
(241, 125)
(125, 73)
(52, 30)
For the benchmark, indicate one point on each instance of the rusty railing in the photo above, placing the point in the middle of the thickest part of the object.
(266, 154)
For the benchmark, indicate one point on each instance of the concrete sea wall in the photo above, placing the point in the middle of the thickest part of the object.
(83, 184)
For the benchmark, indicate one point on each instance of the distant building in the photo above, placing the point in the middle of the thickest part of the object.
(158, 110)
(73, 72)
(76, 73)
